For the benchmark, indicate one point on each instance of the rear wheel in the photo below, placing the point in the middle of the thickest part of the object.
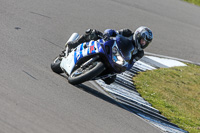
(86, 73)
(55, 66)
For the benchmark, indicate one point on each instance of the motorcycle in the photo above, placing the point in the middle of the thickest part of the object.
(94, 60)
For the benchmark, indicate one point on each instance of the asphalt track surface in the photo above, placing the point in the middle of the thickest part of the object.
(34, 99)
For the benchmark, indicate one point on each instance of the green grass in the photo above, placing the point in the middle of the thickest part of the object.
(175, 92)
(196, 2)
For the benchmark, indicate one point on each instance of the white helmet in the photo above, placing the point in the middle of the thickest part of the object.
(142, 37)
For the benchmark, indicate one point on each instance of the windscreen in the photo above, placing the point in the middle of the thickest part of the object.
(125, 46)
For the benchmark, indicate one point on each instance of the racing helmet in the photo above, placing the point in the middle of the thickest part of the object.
(142, 37)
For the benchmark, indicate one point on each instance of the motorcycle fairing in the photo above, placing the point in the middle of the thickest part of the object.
(83, 50)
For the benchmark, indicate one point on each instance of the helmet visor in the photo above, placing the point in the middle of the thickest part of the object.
(145, 39)
(143, 43)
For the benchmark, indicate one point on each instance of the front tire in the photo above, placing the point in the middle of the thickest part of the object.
(55, 66)
(81, 75)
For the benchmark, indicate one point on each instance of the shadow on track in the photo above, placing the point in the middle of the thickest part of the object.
(102, 96)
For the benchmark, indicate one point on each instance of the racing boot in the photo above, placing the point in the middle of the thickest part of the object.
(75, 43)
(88, 36)
(109, 80)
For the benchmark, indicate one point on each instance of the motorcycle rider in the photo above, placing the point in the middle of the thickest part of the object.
(141, 38)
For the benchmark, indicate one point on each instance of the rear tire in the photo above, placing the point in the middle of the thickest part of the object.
(55, 66)
(81, 75)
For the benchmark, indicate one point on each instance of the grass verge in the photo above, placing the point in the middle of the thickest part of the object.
(175, 92)
(196, 2)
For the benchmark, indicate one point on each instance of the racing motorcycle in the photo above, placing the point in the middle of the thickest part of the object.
(94, 60)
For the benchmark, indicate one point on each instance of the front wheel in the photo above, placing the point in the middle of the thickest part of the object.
(81, 75)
